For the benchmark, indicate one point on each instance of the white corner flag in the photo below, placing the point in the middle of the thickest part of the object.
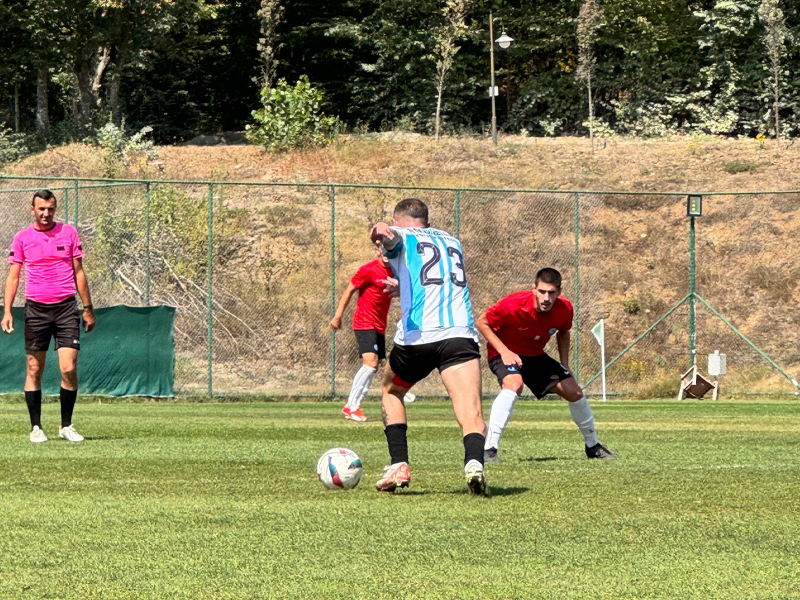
(599, 332)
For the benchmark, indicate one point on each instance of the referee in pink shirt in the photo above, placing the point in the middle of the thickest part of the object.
(52, 255)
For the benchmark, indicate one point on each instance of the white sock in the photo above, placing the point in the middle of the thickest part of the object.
(502, 409)
(361, 383)
(582, 415)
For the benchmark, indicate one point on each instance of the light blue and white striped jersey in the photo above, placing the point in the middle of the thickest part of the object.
(429, 266)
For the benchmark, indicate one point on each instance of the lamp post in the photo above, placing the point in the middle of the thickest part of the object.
(504, 42)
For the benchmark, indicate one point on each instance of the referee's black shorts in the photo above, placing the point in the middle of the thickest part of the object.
(540, 373)
(44, 321)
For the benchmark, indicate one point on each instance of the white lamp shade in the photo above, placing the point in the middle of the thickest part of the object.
(504, 40)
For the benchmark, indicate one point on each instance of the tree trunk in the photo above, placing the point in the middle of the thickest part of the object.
(777, 121)
(438, 110)
(89, 72)
(16, 108)
(113, 94)
(42, 114)
(591, 114)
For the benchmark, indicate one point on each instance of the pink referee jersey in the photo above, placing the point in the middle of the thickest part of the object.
(47, 258)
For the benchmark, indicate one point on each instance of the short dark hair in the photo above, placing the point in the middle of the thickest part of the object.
(548, 275)
(46, 195)
(414, 208)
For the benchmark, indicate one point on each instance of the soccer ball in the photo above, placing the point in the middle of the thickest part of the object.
(339, 468)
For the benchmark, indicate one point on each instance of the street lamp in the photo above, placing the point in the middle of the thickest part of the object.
(504, 42)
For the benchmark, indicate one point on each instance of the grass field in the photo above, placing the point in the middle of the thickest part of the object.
(219, 501)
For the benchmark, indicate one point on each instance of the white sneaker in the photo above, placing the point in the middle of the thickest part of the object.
(69, 434)
(37, 435)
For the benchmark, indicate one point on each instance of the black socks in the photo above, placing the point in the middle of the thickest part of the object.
(34, 402)
(398, 443)
(473, 447)
(68, 398)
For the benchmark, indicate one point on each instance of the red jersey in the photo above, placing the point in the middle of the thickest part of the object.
(523, 330)
(373, 302)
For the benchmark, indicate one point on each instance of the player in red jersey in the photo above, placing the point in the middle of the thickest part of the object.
(517, 329)
(375, 285)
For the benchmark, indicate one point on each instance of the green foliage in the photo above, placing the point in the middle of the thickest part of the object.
(632, 306)
(119, 148)
(740, 166)
(12, 146)
(291, 117)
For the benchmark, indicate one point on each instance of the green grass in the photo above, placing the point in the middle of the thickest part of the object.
(219, 501)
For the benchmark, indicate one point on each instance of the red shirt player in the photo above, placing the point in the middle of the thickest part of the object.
(375, 285)
(517, 329)
(51, 254)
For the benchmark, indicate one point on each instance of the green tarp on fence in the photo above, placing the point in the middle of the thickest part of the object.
(131, 352)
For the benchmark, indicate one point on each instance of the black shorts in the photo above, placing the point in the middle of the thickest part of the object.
(411, 364)
(44, 321)
(371, 341)
(539, 373)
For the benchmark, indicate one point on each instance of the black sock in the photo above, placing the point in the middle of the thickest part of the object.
(473, 447)
(68, 398)
(398, 444)
(34, 402)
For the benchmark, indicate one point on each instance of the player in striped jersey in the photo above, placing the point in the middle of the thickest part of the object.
(436, 331)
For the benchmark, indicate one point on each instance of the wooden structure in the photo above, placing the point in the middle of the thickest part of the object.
(694, 385)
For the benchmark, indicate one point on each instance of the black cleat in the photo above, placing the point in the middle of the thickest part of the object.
(490, 455)
(600, 451)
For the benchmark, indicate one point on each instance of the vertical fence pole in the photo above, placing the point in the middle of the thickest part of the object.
(210, 287)
(147, 244)
(332, 300)
(577, 293)
(457, 225)
(65, 198)
(692, 297)
(75, 210)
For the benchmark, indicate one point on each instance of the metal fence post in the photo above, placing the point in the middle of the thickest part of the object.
(332, 301)
(692, 297)
(75, 214)
(457, 225)
(577, 293)
(210, 287)
(65, 197)
(147, 244)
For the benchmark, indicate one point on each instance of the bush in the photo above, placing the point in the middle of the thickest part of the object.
(12, 146)
(291, 118)
(118, 147)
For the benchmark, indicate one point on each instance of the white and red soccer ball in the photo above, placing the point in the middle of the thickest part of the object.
(339, 468)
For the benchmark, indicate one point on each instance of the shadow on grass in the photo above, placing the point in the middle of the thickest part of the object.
(496, 491)
(541, 459)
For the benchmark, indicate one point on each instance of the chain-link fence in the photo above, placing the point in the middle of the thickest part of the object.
(256, 270)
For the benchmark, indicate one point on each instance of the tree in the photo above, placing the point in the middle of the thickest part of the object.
(445, 37)
(270, 15)
(589, 21)
(775, 35)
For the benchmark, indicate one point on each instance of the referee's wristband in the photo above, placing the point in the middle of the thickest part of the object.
(88, 307)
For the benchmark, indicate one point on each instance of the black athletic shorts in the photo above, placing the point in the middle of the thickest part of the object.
(539, 373)
(44, 321)
(411, 364)
(369, 340)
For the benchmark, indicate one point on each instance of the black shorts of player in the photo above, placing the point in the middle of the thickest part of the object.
(411, 364)
(539, 373)
(371, 341)
(44, 321)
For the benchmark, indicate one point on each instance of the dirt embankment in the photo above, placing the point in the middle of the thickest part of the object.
(679, 164)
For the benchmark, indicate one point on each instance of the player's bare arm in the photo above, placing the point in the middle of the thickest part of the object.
(563, 342)
(509, 357)
(12, 283)
(336, 321)
(83, 291)
(382, 234)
